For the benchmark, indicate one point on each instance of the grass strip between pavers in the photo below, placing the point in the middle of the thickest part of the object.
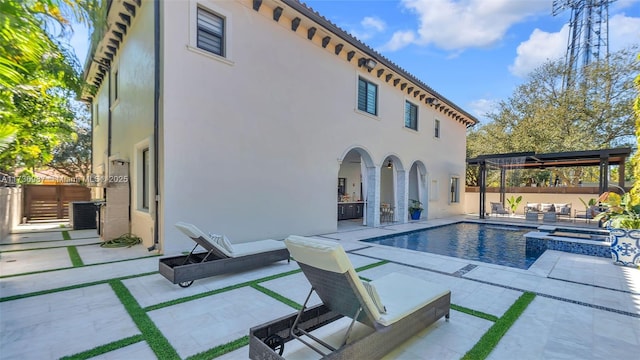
(218, 291)
(65, 235)
(492, 337)
(237, 286)
(76, 260)
(221, 349)
(370, 266)
(48, 248)
(152, 335)
(67, 268)
(277, 296)
(71, 287)
(102, 349)
(475, 313)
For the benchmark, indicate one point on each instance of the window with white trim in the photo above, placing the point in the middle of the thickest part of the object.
(115, 85)
(367, 96)
(96, 114)
(146, 168)
(434, 190)
(454, 192)
(410, 115)
(211, 32)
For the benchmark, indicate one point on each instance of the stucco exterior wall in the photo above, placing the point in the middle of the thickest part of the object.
(10, 210)
(253, 142)
(132, 115)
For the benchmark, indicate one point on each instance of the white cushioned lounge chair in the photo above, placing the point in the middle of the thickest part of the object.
(220, 256)
(395, 307)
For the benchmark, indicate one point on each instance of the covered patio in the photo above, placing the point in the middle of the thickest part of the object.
(530, 160)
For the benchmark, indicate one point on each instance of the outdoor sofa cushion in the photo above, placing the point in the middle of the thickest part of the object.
(563, 209)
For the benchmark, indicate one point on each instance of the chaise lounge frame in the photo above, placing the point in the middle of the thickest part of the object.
(184, 269)
(341, 298)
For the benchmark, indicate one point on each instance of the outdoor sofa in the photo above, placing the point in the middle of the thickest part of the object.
(388, 310)
(220, 256)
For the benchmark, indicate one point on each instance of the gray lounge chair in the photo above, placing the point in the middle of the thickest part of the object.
(498, 209)
(221, 256)
(394, 307)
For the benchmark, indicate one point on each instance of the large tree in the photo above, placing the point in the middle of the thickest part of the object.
(543, 116)
(38, 76)
(635, 191)
(73, 158)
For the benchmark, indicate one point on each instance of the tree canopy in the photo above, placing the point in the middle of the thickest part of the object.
(544, 116)
(39, 77)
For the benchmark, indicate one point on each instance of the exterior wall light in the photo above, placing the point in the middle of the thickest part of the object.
(433, 101)
(367, 63)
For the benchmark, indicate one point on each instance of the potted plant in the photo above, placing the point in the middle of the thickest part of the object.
(415, 209)
(589, 208)
(622, 218)
(513, 203)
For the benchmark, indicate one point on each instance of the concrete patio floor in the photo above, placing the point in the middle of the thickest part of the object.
(585, 307)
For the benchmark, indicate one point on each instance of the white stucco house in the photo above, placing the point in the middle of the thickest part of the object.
(259, 119)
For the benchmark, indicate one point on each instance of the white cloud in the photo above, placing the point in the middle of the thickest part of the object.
(369, 27)
(540, 47)
(373, 23)
(481, 107)
(623, 31)
(460, 24)
(399, 40)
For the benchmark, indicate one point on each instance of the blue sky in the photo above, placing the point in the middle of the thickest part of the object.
(474, 52)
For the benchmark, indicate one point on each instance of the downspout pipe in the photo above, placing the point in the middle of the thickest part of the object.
(109, 117)
(156, 123)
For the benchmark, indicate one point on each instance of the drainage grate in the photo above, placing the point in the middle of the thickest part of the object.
(464, 270)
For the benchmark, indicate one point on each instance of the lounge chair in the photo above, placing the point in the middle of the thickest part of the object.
(392, 308)
(221, 256)
(498, 209)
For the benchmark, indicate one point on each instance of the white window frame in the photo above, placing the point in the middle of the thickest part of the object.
(96, 114)
(217, 10)
(434, 190)
(140, 148)
(115, 81)
(454, 193)
(357, 90)
(406, 101)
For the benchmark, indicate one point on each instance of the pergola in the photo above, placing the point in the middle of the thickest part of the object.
(602, 158)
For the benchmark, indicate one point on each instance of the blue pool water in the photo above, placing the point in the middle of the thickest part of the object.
(493, 244)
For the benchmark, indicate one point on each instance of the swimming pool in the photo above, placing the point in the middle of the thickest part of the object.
(501, 245)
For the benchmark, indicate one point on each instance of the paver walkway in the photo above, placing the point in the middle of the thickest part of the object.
(116, 306)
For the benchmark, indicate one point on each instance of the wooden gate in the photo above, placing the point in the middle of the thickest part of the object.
(50, 202)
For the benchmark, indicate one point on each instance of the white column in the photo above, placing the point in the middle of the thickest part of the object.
(373, 196)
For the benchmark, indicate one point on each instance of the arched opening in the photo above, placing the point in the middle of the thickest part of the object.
(418, 187)
(393, 193)
(356, 189)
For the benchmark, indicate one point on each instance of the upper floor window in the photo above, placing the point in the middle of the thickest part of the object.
(96, 114)
(367, 96)
(410, 115)
(210, 32)
(115, 85)
(437, 128)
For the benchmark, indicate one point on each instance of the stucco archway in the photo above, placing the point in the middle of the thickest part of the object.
(393, 188)
(417, 180)
(361, 190)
